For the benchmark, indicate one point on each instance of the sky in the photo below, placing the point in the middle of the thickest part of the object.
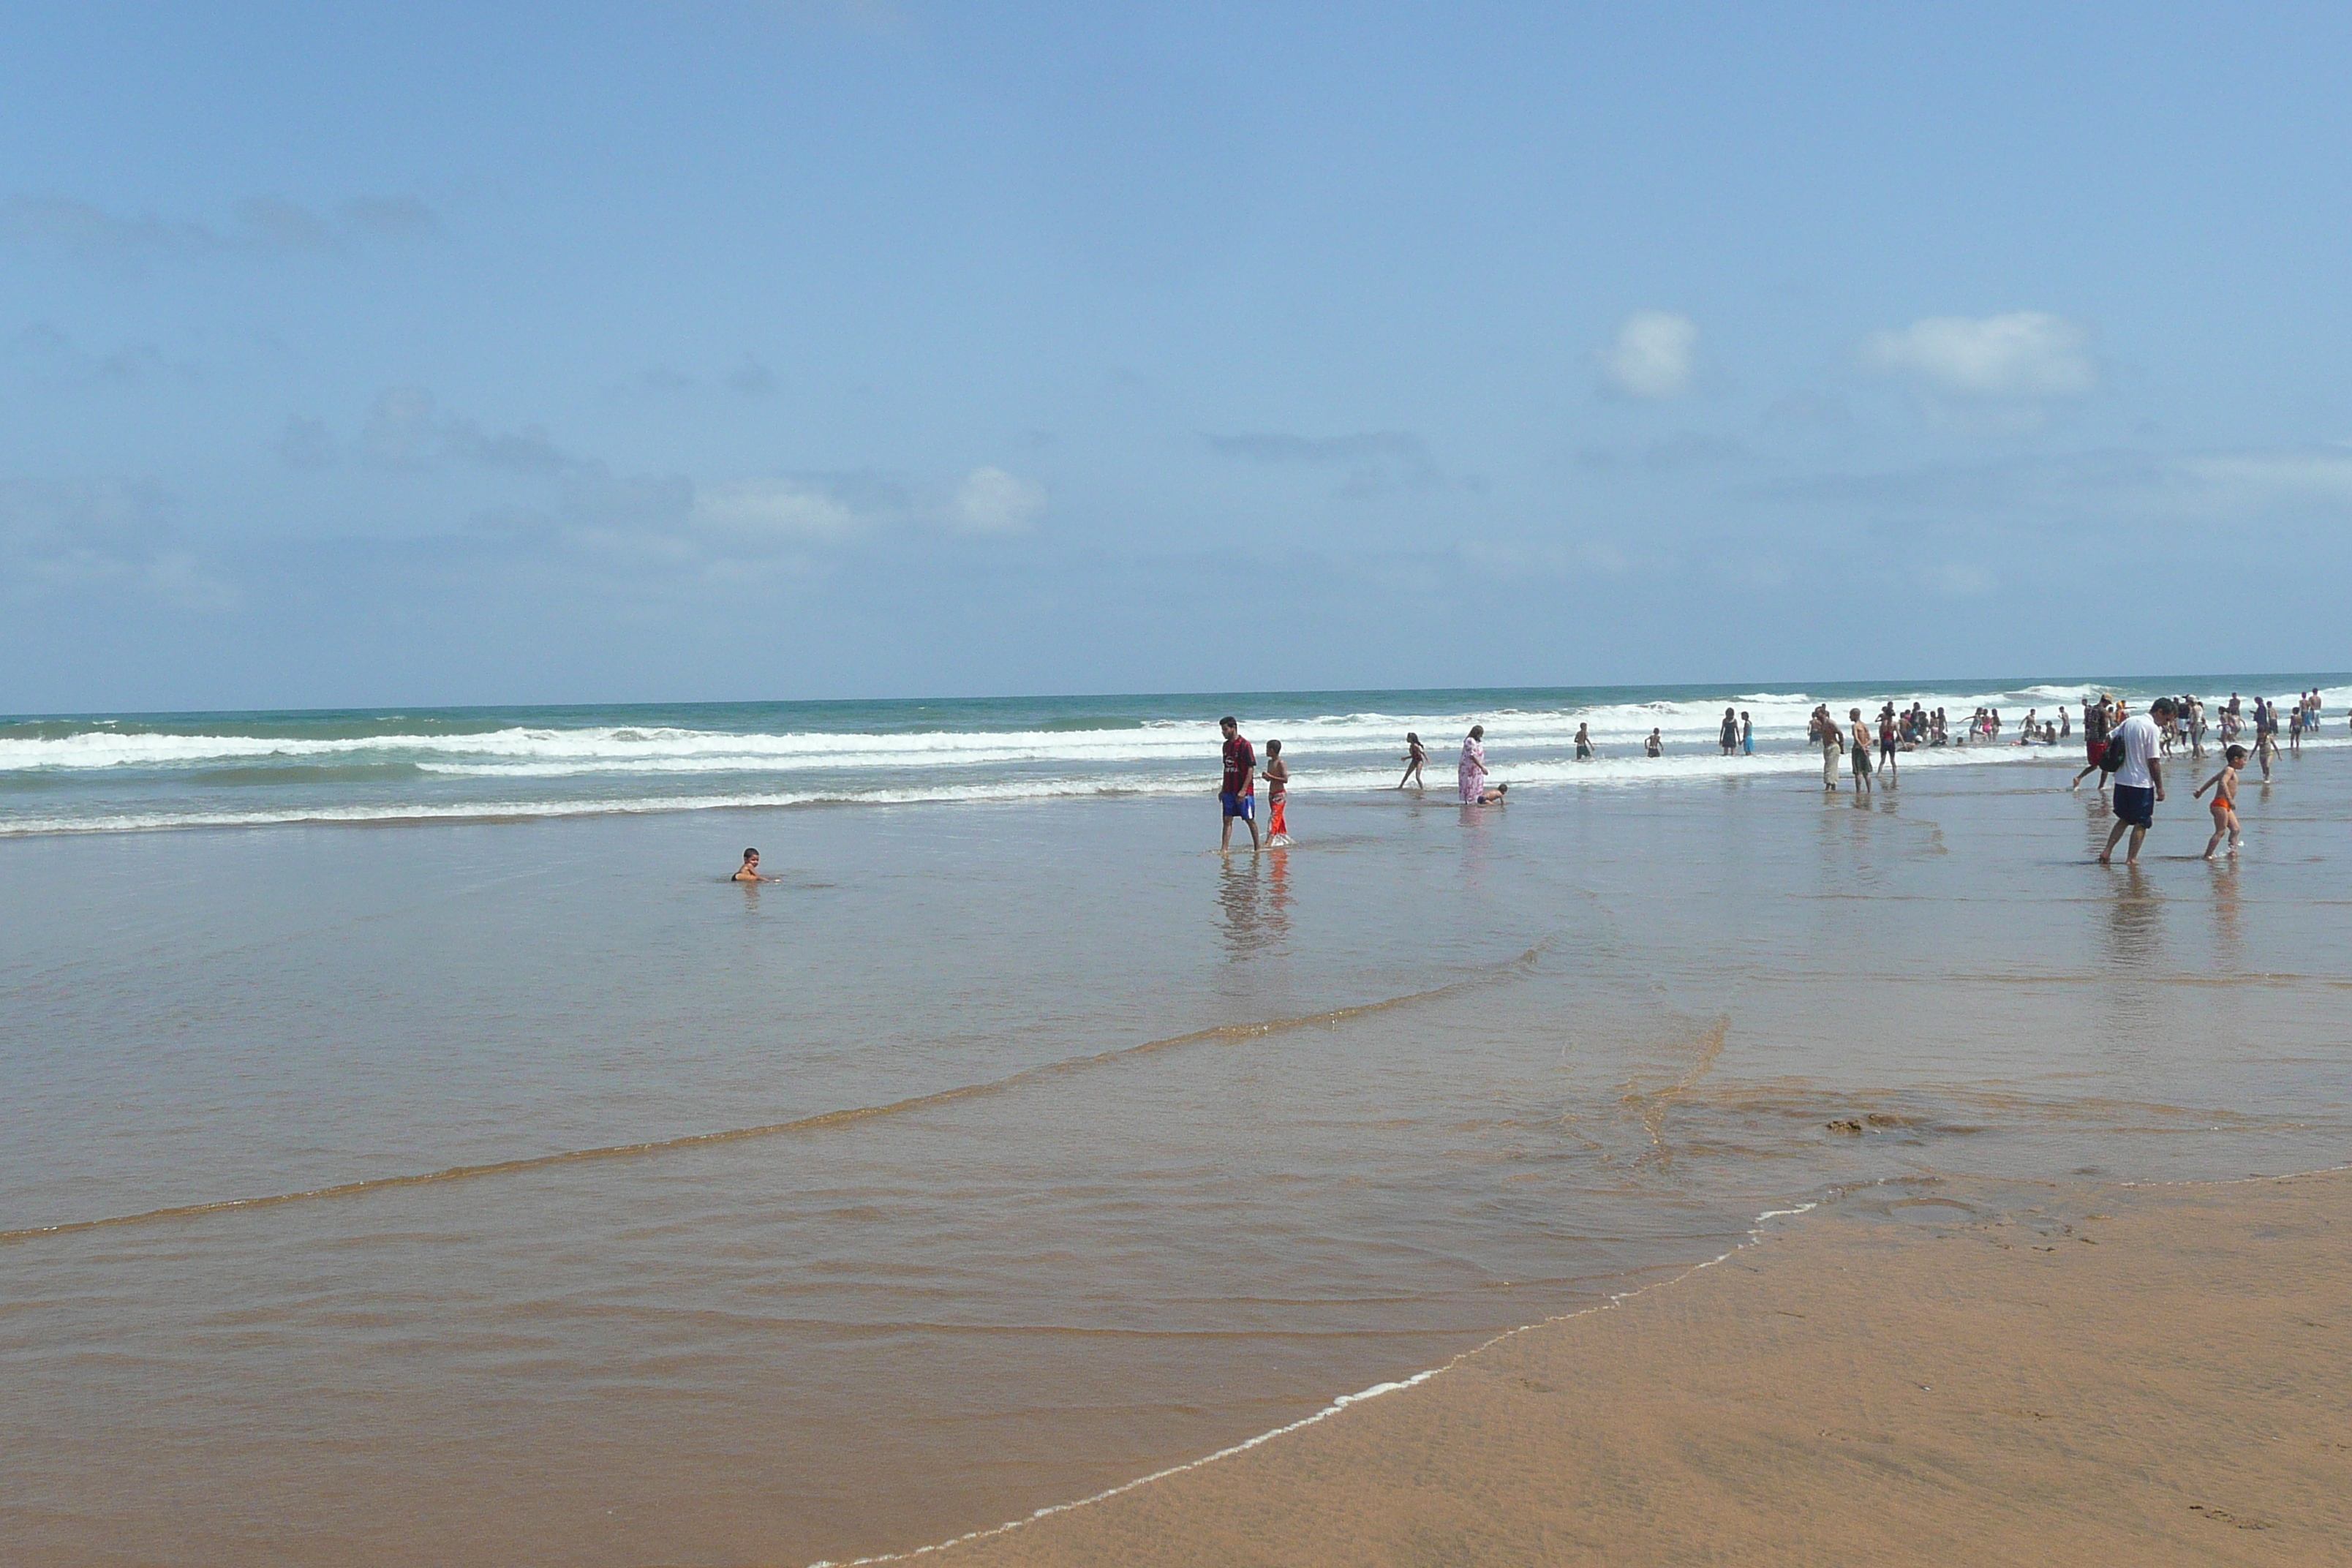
(360, 354)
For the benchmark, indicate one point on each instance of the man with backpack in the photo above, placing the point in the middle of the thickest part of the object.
(2132, 751)
(2094, 742)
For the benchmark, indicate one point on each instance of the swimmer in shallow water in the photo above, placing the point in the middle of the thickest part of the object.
(748, 871)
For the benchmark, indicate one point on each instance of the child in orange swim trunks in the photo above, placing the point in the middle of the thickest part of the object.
(2225, 801)
(1277, 774)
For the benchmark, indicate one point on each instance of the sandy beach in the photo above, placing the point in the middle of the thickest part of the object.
(1949, 1372)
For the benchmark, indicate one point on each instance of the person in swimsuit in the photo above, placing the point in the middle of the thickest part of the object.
(1655, 746)
(1583, 744)
(1238, 793)
(1861, 749)
(2225, 801)
(1414, 755)
(748, 871)
(1886, 743)
(1277, 795)
(1729, 736)
(1747, 735)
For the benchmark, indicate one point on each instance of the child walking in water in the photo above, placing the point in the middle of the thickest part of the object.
(1277, 774)
(1414, 755)
(2225, 801)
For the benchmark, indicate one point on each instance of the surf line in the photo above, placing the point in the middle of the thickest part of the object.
(1509, 969)
(1759, 1231)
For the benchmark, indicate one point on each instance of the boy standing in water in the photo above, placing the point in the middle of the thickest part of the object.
(1277, 795)
(1861, 749)
(1747, 735)
(1238, 793)
(2225, 801)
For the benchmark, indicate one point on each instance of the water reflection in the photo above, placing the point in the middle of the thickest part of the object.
(1277, 899)
(1240, 906)
(2229, 938)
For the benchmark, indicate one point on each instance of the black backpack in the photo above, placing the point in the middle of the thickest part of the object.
(2112, 758)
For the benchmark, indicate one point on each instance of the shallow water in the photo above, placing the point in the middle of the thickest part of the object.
(1066, 1148)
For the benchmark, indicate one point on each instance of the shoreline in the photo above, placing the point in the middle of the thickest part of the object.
(1963, 1377)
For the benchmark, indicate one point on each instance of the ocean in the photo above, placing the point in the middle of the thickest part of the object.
(416, 1150)
(115, 772)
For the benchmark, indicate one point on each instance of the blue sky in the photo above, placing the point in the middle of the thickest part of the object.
(366, 354)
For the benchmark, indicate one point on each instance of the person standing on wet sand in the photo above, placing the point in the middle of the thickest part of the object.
(2095, 742)
(1238, 793)
(2224, 785)
(1277, 795)
(1470, 778)
(1860, 750)
(1832, 740)
(1414, 755)
(1886, 743)
(2140, 782)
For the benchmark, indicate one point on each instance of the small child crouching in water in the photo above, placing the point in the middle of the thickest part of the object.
(2225, 802)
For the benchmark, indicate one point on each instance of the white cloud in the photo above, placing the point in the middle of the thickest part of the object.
(991, 500)
(755, 510)
(2022, 355)
(1652, 356)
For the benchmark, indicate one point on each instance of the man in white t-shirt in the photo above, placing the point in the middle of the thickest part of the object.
(2140, 782)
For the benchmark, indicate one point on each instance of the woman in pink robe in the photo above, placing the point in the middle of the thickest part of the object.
(1472, 776)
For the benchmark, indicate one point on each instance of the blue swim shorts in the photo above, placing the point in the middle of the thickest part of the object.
(1241, 805)
(2135, 806)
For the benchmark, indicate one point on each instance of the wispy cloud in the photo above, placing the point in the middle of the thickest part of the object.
(761, 512)
(260, 225)
(1653, 355)
(407, 429)
(101, 537)
(1377, 462)
(2245, 486)
(51, 358)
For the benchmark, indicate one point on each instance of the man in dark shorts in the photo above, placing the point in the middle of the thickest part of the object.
(2140, 782)
(1238, 794)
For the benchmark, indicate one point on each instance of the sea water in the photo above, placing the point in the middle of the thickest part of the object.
(501, 1184)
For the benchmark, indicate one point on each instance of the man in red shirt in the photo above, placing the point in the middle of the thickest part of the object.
(1238, 794)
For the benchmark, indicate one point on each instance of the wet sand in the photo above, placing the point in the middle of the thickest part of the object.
(1959, 1370)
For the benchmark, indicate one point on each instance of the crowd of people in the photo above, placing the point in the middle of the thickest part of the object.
(2123, 748)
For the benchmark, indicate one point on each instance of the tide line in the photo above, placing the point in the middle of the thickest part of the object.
(1756, 1234)
(1234, 1032)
